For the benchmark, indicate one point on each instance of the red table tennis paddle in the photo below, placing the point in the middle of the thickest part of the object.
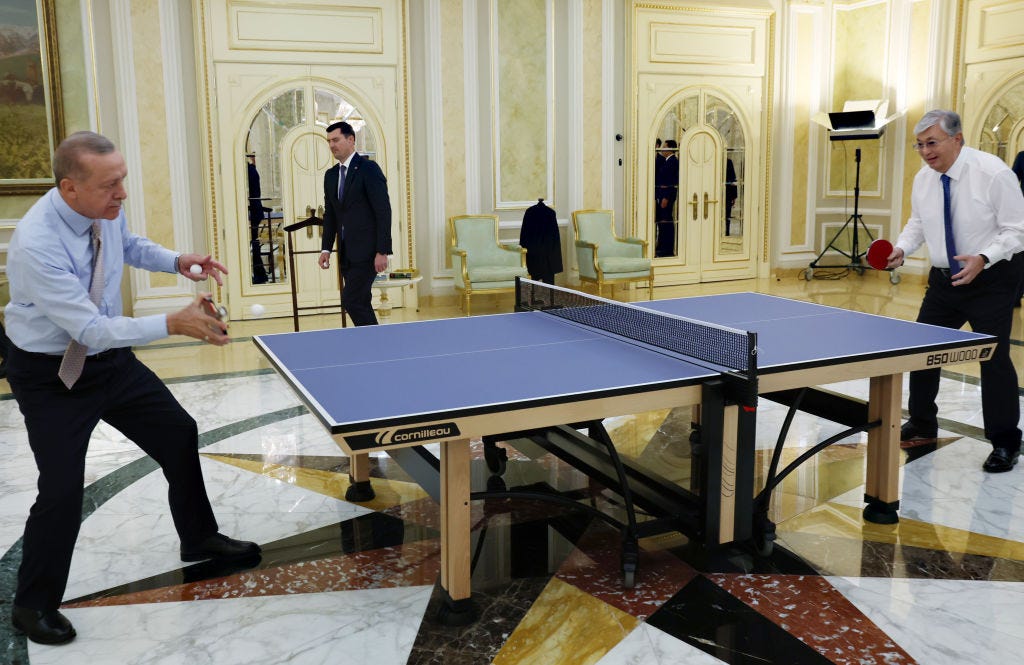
(878, 254)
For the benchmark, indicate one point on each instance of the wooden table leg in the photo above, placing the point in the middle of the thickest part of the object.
(359, 488)
(882, 477)
(457, 609)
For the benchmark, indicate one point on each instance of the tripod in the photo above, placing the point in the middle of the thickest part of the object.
(855, 255)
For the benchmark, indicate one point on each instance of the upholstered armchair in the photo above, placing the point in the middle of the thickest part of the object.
(604, 258)
(481, 263)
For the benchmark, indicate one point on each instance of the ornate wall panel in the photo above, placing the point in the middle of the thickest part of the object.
(859, 72)
(320, 29)
(803, 78)
(994, 30)
(523, 94)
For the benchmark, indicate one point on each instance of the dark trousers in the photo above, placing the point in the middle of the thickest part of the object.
(357, 294)
(987, 304)
(665, 242)
(118, 389)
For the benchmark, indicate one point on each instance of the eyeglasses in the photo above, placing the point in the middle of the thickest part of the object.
(918, 146)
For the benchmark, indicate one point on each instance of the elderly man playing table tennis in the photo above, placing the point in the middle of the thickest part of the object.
(71, 366)
(967, 206)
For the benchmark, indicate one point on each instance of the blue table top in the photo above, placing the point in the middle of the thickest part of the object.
(359, 378)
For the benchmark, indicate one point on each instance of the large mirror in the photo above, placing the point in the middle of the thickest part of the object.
(720, 115)
(704, 111)
(270, 135)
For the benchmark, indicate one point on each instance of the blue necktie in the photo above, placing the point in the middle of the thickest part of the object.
(947, 216)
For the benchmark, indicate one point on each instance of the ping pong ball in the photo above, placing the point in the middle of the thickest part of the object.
(196, 269)
(258, 310)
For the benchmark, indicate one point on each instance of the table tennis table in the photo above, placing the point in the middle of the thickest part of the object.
(394, 388)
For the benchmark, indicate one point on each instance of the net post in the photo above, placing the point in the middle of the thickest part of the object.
(749, 399)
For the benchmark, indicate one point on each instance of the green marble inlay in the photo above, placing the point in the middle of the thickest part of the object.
(14, 646)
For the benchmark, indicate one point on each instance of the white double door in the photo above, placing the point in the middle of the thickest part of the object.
(292, 165)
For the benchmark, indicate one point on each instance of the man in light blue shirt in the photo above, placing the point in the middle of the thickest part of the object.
(51, 263)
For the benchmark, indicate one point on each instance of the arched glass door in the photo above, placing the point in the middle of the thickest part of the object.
(699, 164)
(286, 155)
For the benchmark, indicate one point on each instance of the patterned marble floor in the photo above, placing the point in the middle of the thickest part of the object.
(341, 582)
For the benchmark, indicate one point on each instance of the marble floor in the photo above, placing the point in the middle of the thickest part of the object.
(358, 583)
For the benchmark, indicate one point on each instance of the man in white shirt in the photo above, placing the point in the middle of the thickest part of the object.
(967, 206)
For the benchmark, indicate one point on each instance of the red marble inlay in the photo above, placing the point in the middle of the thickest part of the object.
(412, 564)
(595, 567)
(813, 611)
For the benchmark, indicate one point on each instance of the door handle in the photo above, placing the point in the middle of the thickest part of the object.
(694, 204)
(706, 202)
(309, 229)
(320, 214)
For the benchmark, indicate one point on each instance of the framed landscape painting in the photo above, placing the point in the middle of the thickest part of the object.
(31, 115)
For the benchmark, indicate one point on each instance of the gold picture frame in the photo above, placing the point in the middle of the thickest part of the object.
(31, 109)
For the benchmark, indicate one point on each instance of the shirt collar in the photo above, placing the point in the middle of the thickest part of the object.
(348, 161)
(77, 222)
(956, 170)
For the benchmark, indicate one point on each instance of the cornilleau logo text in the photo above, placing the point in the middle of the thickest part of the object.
(410, 435)
(428, 433)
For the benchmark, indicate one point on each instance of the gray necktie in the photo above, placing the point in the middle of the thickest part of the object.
(74, 356)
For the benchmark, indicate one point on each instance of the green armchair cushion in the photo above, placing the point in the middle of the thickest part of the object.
(495, 273)
(622, 264)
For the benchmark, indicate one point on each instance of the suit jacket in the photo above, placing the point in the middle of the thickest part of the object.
(363, 215)
(255, 204)
(667, 179)
(539, 236)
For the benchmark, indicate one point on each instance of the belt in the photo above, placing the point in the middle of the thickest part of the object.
(946, 272)
(102, 355)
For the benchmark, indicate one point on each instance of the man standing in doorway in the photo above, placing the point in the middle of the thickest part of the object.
(358, 211)
(967, 205)
(666, 182)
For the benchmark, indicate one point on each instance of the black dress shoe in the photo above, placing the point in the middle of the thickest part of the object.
(911, 435)
(220, 547)
(43, 626)
(1000, 459)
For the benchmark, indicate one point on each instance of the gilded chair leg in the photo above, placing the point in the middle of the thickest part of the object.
(466, 303)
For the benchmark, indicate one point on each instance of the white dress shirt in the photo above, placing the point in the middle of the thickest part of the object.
(49, 266)
(987, 206)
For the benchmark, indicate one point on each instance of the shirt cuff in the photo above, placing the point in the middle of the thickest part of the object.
(154, 327)
(994, 255)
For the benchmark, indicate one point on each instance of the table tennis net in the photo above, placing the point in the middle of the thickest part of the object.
(732, 349)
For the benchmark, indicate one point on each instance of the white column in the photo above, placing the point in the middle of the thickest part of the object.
(434, 138)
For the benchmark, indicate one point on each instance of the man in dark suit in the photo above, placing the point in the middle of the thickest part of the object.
(666, 182)
(358, 211)
(256, 211)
